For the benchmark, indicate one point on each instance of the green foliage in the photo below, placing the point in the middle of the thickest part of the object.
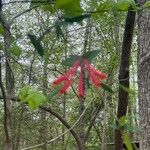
(88, 55)
(76, 18)
(123, 5)
(127, 140)
(70, 7)
(65, 21)
(125, 124)
(147, 4)
(70, 60)
(31, 96)
(1, 30)
(1, 45)
(112, 5)
(125, 127)
(107, 88)
(15, 50)
(37, 44)
(105, 6)
(49, 8)
(59, 32)
(91, 54)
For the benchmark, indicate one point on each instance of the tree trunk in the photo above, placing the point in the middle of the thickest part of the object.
(144, 77)
(124, 74)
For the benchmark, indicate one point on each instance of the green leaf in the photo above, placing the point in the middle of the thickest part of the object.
(91, 54)
(70, 60)
(1, 45)
(71, 7)
(107, 88)
(15, 50)
(147, 4)
(31, 96)
(1, 30)
(106, 6)
(122, 121)
(49, 8)
(23, 93)
(35, 99)
(123, 5)
(127, 141)
(36, 43)
(76, 18)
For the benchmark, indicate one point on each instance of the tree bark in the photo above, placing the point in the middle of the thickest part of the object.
(124, 74)
(9, 92)
(144, 76)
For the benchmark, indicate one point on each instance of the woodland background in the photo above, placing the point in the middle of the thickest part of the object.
(40, 40)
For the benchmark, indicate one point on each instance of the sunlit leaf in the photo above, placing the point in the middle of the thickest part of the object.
(23, 93)
(122, 121)
(35, 99)
(105, 6)
(71, 7)
(36, 43)
(147, 4)
(31, 96)
(123, 5)
(127, 141)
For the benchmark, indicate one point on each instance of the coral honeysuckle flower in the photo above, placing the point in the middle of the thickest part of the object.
(66, 86)
(68, 75)
(96, 76)
(81, 85)
(83, 65)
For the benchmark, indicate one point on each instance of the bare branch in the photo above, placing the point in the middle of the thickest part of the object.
(70, 128)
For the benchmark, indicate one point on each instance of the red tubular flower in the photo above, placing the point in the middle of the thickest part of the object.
(66, 86)
(60, 79)
(99, 74)
(94, 79)
(73, 69)
(68, 75)
(81, 86)
(95, 76)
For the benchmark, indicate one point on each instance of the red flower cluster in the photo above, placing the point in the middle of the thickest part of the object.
(95, 76)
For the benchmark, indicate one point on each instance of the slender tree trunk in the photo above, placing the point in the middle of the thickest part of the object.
(144, 76)
(43, 129)
(124, 74)
(9, 92)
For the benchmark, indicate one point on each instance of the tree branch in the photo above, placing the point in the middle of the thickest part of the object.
(64, 122)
